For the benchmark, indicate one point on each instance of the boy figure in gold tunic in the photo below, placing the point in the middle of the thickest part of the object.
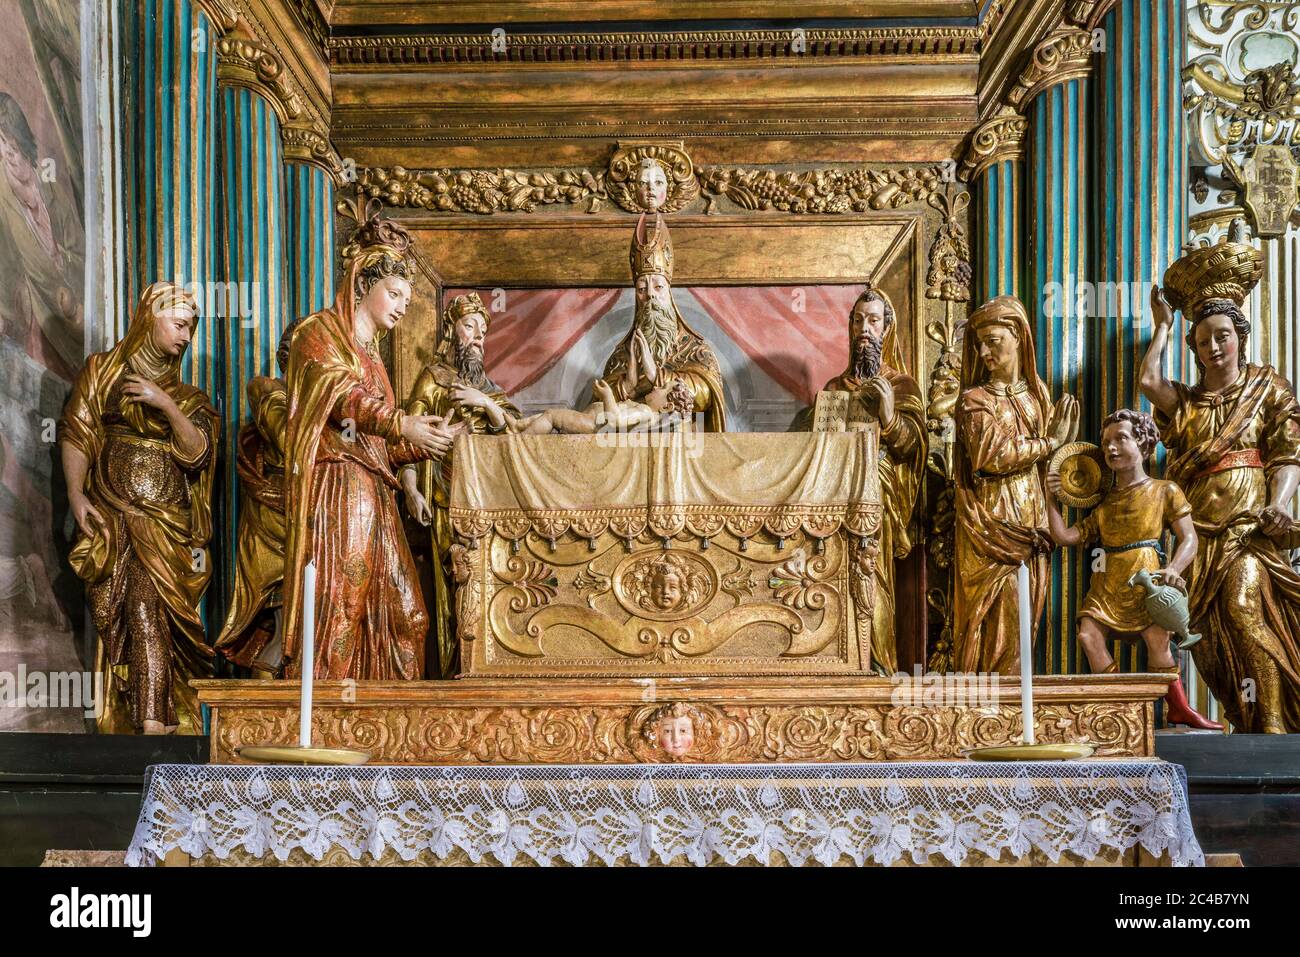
(137, 455)
(1130, 523)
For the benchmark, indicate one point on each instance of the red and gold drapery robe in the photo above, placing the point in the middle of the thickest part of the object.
(1244, 595)
(344, 439)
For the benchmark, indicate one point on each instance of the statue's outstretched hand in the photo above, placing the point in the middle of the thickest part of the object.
(427, 432)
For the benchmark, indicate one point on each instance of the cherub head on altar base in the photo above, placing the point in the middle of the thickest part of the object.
(670, 729)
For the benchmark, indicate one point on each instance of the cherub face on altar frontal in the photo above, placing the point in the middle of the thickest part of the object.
(999, 350)
(1217, 344)
(654, 288)
(676, 736)
(173, 327)
(666, 587)
(1120, 446)
(652, 185)
(386, 301)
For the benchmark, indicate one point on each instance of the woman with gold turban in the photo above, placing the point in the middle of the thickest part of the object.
(137, 455)
(1234, 445)
(1007, 429)
(345, 436)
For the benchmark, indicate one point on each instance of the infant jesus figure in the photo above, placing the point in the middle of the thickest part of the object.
(1129, 523)
(663, 407)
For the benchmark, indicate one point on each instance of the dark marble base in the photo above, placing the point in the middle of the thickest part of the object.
(77, 791)
(1245, 792)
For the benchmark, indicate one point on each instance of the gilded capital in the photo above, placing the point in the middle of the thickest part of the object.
(994, 140)
(306, 144)
(1065, 55)
(255, 66)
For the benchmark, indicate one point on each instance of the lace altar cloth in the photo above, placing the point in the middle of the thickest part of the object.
(588, 814)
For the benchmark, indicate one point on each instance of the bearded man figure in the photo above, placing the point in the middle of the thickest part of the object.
(660, 346)
(889, 396)
(456, 389)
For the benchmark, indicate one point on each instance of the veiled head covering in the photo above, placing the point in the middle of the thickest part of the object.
(139, 353)
(891, 354)
(1009, 312)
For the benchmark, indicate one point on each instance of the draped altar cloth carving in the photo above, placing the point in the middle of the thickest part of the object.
(924, 812)
(671, 553)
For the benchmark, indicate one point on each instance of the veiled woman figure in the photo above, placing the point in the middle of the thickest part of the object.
(1234, 445)
(1007, 428)
(346, 434)
(137, 446)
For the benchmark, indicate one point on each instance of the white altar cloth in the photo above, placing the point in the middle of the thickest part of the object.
(589, 814)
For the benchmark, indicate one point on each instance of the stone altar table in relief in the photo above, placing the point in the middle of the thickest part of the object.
(666, 553)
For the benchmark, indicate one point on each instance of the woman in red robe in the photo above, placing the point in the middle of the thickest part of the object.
(346, 436)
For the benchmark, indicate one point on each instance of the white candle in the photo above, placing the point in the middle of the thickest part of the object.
(308, 657)
(1026, 652)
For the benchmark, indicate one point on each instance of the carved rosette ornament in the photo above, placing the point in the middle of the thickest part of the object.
(995, 140)
(1065, 55)
(622, 181)
(255, 66)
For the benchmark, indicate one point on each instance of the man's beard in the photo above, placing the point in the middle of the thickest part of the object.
(469, 366)
(866, 357)
(659, 326)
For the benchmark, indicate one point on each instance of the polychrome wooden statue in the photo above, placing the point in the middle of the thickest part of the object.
(137, 447)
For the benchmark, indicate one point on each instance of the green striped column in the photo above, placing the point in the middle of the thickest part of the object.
(169, 108)
(254, 267)
(995, 168)
(1058, 233)
(309, 237)
(1141, 155)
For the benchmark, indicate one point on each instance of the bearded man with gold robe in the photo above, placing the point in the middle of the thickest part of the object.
(891, 397)
(1007, 429)
(1234, 449)
(137, 446)
(660, 346)
(345, 436)
(455, 389)
(248, 637)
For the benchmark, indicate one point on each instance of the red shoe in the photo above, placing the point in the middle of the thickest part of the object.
(1178, 711)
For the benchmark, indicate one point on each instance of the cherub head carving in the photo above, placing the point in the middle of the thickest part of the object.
(666, 584)
(651, 184)
(671, 729)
